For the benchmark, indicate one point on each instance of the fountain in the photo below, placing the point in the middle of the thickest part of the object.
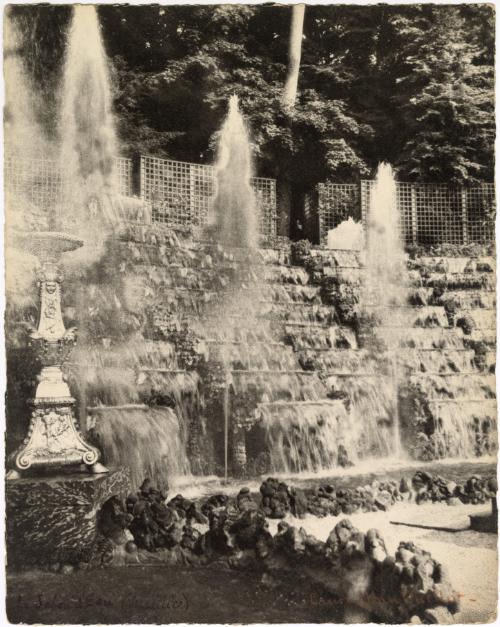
(282, 359)
(385, 290)
(235, 207)
(23, 136)
(87, 131)
(348, 235)
(50, 460)
(89, 211)
(39, 524)
(385, 286)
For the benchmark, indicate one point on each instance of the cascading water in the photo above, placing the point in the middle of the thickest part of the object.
(146, 440)
(87, 130)
(308, 437)
(235, 206)
(385, 290)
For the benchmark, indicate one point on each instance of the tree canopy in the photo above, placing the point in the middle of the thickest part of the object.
(411, 84)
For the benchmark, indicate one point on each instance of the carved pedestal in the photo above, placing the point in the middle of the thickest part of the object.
(53, 437)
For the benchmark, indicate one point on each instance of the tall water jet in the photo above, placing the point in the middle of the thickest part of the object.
(385, 256)
(23, 135)
(235, 206)
(87, 131)
(385, 290)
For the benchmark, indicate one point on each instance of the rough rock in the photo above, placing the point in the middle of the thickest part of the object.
(354, 566)
(405, 485)
(298, 502)
(275, 498)
(245, 502)
(438, 616)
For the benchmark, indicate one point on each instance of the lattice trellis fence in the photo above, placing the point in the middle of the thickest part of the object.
(32, 188)
(38, 185)
(430, 213)
(181, 193)
(123, 173)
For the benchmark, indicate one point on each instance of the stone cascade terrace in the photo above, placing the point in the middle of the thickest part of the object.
(239, 317)
(445, 361)
(270, 356)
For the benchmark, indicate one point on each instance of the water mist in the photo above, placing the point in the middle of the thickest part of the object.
(24, 141)
(23, 135)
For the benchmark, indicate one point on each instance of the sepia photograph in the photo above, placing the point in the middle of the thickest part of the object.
(250, 313)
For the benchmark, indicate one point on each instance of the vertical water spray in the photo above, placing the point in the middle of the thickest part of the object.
(88, 142)
(23, 135)
(147, 437)
(234, 220)
(385, 256)
(235, 206)
(385, 287)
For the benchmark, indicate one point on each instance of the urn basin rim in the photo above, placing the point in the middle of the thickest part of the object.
(47, 243)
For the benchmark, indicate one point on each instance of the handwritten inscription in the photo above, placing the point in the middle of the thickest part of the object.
(169, 601)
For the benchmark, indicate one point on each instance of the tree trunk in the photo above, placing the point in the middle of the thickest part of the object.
(294, 52)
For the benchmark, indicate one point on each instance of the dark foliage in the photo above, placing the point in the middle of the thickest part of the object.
(409, 84)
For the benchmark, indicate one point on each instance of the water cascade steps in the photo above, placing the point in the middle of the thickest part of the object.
(287, 379)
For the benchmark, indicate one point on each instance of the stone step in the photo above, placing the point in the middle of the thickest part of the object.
(482, 319)
(338, 258)
(433, 338)
(488, 337)
(263, 356)
(294, 275)
(425, 316)
(436, 361)
(455, 280)
(454, 386)
(355, 361)
(342, 361)
(309, 294)
(283, 407)
(307, 313)
(343, 275)
(307, 337)
(273, 385)
(453, 264)
(466, 299)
